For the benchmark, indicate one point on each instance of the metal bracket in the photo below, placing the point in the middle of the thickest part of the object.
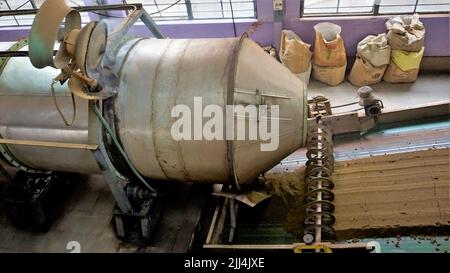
(217, 223)
(15, 47)
(229, 206)
(296, 247)
(115, 180)
(49, 144)
(151, 25)
(317, 248)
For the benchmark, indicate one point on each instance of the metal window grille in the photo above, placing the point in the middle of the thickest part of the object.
(199, 9)
(27, 20)
(310, 8)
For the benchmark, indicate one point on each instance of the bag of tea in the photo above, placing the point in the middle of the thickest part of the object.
(329, 47)
(406, 32)
(294, 53)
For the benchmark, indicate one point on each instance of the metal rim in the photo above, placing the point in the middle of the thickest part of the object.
(229, 101)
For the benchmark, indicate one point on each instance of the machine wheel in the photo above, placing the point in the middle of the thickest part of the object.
(34, 200)
(22, 212)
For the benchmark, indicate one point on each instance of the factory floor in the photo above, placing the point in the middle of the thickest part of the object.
(87, 213)
(86, 219)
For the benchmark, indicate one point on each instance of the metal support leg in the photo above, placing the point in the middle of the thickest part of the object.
(138, 209)
(114, 181)
(151, 25)
(233, 222)
(225, 207)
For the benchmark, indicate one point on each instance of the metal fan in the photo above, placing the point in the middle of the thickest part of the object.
(89, 57)
(74, 51)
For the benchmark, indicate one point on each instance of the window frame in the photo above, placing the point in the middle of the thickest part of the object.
(16, 20)
(374, 12)
(32, 3)
(190, 13)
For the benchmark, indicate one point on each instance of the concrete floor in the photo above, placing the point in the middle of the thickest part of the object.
(86, 219)
(87, 214)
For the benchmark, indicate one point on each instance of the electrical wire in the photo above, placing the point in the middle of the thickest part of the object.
(352, 111)
(112, 16)
(166, 8)
(122, 151)
(343, 105)
(98, 13)
(55, 102)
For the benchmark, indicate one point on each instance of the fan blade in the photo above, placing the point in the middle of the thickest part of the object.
(44, 32)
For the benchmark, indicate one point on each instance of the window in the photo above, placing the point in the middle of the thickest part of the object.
(199, 9)
(158, 9)
(15, 5)
(27, 20)
(371, 7)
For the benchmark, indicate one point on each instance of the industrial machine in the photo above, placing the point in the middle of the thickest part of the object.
(95, 99)
(118, 91)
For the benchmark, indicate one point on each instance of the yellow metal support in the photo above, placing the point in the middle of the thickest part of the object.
(323, 248)
(49, 144)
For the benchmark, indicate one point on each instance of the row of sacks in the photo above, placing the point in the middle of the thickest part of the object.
(394, 57)
(329, 61)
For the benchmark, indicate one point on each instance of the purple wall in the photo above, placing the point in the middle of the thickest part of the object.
(210, 30)
(437, 41)
(437, 37)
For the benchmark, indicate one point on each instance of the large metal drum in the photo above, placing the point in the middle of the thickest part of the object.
(27, 112)
(155, 76)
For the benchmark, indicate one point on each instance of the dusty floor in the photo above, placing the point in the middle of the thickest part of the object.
(86, 219)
